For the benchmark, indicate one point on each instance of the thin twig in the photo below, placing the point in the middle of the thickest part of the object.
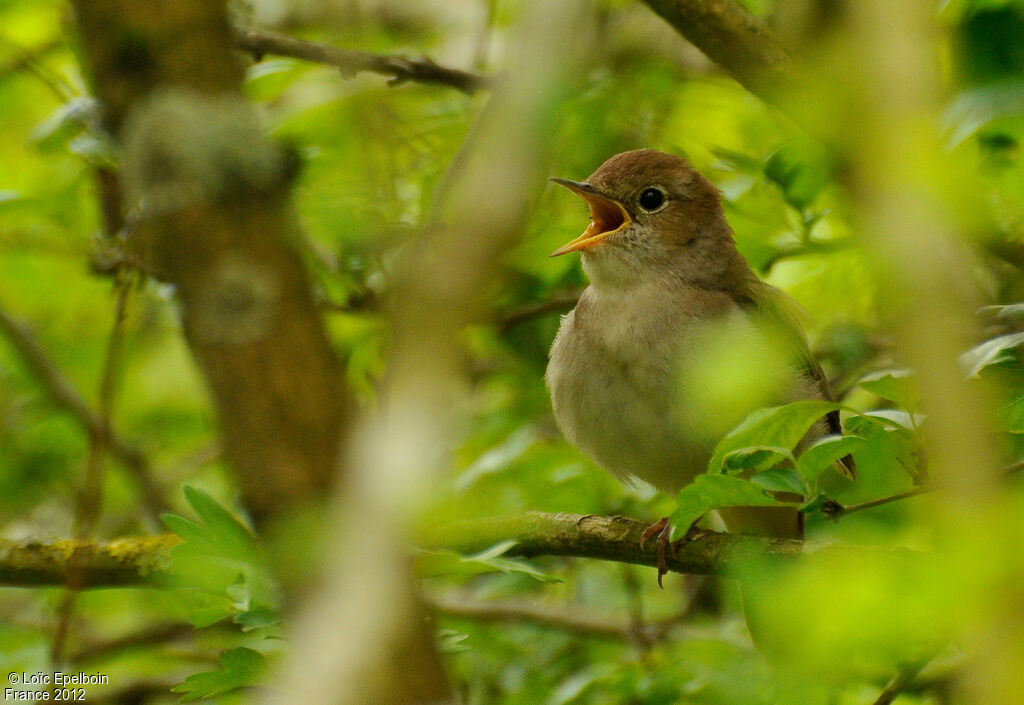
(350, 61)
(809, 247)
(64, 395)
(570, 619)
(903, 678)
(90, 501)
(835, 510)
(560, 301)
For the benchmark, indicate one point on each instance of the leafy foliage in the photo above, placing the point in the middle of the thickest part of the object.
(373, 158)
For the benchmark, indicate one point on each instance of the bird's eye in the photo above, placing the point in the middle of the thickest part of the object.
(652, 199)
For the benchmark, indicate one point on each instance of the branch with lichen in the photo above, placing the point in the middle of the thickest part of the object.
(142, 561)
(126, 561)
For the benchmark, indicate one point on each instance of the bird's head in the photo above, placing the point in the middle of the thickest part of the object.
(651, 214)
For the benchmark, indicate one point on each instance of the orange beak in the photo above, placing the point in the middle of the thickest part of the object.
(607, 216)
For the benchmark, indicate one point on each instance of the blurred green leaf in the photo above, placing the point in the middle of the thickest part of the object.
(448, 563)
(220, 557)
(896, 385)
(990, 352)
(239, 668)
(801, 168)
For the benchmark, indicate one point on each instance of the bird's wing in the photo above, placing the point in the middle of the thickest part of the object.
(772, 307)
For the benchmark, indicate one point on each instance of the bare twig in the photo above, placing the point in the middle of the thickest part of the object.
(810, 247)
(64, 395)
(350, 61)
(835, 510)
(29, 56)
(903, 678)
(559, 301)
(90, 499)
(565, 618)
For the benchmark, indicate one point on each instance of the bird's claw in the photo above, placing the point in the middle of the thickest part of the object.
(664, 531)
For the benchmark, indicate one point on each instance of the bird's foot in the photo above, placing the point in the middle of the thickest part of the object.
(664, 531)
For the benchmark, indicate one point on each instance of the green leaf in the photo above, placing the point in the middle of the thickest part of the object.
(260, 618)
(1011, 414)
(713, 492)
(755, 458)
(990, 352)
(890, 419)
(802, 169)
(824, 453)
(492, 560)
(219, 558)
(450, 641)
(780, 480)
(776, 427)
(895, 385)
(240, 667)
(218, 532)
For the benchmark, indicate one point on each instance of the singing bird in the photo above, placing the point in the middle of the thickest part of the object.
(676, 339)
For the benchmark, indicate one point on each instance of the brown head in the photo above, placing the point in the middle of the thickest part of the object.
(652, 214)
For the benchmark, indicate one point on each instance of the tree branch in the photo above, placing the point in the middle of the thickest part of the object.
(558, 301)
(557, 617)
(142, 561)
(130, 561)
(732, 38)
(350, 62)
(63, 394)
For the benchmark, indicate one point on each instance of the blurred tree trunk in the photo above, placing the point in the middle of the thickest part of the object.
(213, 217)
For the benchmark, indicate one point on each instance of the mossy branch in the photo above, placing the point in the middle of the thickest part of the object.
(121, 562)
(142, 561)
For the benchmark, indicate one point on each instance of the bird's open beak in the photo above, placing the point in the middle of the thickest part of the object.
(607, 216)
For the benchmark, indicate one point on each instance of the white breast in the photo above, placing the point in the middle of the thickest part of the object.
(612, 378)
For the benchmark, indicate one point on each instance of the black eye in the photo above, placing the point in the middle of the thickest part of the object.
(652, 199)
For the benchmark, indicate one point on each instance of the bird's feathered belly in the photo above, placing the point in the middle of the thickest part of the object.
(622, 408)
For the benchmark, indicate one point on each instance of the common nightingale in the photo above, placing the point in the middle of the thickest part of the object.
(676, 339)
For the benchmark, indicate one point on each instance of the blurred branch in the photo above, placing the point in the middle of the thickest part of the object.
(350, 61)
(809, 247)
(90, 497)
(129, 561)
(27, 58)
(907, 673)
(64, 395)
(734, 39)
(225, 235)
(559, 301)
(564, 617)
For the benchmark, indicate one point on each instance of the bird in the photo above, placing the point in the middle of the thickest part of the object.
(634, 372)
